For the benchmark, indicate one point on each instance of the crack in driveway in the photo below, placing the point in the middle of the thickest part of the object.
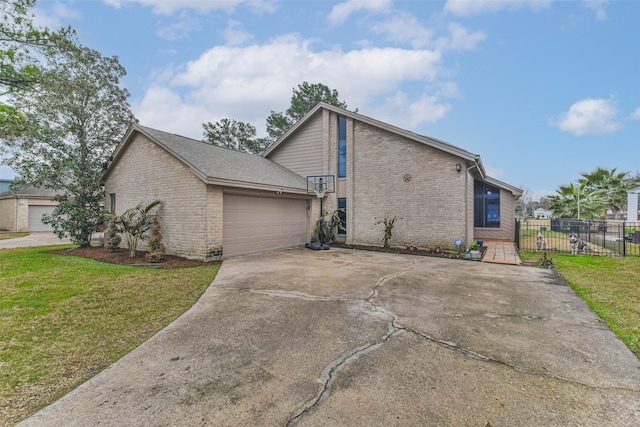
(330, 372)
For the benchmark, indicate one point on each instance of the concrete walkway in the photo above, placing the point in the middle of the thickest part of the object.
(355, 338)
(40, 238)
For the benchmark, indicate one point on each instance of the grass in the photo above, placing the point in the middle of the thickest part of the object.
(4, 235)
(611, 286)
(64, 319)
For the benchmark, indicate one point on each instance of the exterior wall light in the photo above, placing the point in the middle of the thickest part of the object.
(458, 167)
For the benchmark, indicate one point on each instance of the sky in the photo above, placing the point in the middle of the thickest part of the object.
(542, 90)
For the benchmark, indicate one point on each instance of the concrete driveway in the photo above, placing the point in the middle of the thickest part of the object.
(40, 238)
(354, 338)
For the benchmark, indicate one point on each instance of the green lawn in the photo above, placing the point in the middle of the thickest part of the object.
(610, 285)
(63, 319)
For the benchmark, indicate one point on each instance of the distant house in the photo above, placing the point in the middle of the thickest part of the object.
(632, 205)
(21, 209)
(219, 203)
(542, 213)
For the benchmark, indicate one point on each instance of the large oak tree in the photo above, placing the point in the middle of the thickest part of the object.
(75, 115)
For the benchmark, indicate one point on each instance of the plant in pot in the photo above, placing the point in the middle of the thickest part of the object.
(474, 250)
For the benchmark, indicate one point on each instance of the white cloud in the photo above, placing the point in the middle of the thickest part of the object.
(234, 35)
(341, 12)
(185, 24)
(636, 114)
(247, 83)
(477, 7)
(598, 6)
(405, 28)
(589, 117)
(57, 17)
(461, 39)
(168, 7)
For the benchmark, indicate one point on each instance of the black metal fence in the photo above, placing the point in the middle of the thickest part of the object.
(607, 238)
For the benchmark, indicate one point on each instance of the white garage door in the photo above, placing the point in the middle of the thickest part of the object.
(35, 218)
(255, 224)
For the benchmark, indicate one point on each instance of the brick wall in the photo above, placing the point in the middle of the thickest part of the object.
(190, 213)
(391, 176)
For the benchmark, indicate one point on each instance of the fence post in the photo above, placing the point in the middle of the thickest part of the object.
(624, 239)
(516, 238)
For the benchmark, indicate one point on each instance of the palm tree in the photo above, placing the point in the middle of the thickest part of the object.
(573, 199)
(613, 186)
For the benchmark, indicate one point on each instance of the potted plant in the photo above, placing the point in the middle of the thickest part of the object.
(474, 250)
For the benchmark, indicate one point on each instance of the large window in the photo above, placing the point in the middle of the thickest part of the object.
(342, 214)
(486, 205)
(342, 147)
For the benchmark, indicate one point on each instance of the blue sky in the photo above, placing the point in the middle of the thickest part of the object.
(543, 90)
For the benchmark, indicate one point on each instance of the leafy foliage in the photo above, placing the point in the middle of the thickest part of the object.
(21, 44)
(596, 194)
(241, 136)
(235, 135)
(387, 233)
(134, 224)
(157, 249)
(74, 117)
(325, 230)
(112, 238)
(303, 100)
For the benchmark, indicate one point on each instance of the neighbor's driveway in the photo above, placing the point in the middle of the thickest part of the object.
(40, 238)
(351, 338)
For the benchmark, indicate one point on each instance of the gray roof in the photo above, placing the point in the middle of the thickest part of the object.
(30, 191)
(218, 165)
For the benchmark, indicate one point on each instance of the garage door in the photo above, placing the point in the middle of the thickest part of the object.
(35, 218)
(255, 224)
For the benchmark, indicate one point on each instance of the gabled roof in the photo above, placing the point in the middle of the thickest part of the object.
(217, 165)
(432, 142)
(29, 191)
(436, 143)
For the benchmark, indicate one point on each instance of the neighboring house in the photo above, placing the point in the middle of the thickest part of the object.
(632, 205)
(217, 202)
(542, 213)
(21, 209)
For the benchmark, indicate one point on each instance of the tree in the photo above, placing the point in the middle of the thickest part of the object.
(20, 43)
(235, 135)
(524, 205)
(75, 116)
(303, 100)
(573, 199)
(613, 185)
(134, 224)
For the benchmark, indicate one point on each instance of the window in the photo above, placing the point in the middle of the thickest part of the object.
(342, 214)
(486, 205)
(342, 146)
(112, 197)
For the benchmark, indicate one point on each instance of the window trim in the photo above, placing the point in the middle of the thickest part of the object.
(484, 193)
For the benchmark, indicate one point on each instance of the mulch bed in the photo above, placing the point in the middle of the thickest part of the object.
(121, 257)
(408, 251)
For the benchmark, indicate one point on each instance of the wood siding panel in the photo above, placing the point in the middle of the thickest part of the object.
(302, 153)
(506, 230)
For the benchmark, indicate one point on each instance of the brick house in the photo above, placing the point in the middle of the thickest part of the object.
(21, 209)
(217, 202)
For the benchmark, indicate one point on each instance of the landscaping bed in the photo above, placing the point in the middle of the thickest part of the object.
(393, 250)
(121, 257)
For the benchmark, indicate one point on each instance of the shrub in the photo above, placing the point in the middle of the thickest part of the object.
(157, 250)
(134, 225)
(388, 229)
(111, 237)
